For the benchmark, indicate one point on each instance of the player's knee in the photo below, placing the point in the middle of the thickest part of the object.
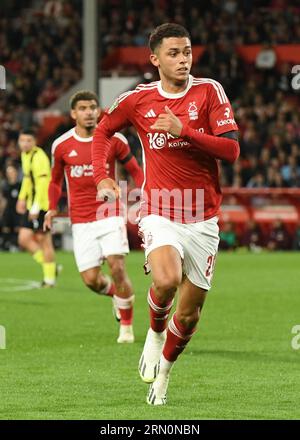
(188, 320)
(22, 240)
(91, 282)
(167, 284)
(118, 272)
(92, 286)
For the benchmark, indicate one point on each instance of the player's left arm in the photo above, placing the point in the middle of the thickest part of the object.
(223, 144)
(230, 135)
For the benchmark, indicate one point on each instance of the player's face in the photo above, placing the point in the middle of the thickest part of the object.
(86, 114)
(26, 142)
(173, 59)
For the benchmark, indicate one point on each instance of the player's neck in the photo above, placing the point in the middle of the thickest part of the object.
(169, 86)
(84, 132)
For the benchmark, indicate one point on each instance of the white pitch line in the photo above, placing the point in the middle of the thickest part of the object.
(20, 285)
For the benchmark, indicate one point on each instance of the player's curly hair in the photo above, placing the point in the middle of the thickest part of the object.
(166, 30)
(83, 95)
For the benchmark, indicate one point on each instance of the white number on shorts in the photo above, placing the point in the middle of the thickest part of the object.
(211, 261)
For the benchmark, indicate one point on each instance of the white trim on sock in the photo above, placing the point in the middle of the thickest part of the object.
(156, 308)
(124, 303)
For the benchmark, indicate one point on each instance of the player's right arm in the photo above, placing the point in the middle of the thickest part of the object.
(55, 186)
(114, 120)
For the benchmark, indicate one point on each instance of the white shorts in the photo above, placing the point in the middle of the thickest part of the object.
(94, 241)
(197, 244)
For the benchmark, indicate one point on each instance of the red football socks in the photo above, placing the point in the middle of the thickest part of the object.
(177, 338)
(125, 306)
(159, 312)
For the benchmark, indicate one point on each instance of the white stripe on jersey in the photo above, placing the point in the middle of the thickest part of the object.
(139, 88)
(144, 170)
(147, 86)
(121, 137)
(68, 190)
(124, 95)
(61, 139)
(217, 86)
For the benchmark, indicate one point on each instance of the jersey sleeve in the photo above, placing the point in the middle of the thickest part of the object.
(26, 182)
(116, 118)
(220, 114)
(57, 176)
(41, 173)
(122, 149)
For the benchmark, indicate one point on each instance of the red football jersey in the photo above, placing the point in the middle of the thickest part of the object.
(71, 157)
(170, 163)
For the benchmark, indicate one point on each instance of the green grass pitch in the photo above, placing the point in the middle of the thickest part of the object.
(62, 361)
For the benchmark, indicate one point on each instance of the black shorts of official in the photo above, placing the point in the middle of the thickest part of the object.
(35, 225)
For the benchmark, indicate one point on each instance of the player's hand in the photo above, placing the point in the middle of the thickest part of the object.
(108, 190)
(32, 217)
(168, 122)
(47, 225)
(21, 206)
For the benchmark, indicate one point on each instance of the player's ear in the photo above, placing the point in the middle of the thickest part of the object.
(98, 112)
(154, 60)
(73, 114)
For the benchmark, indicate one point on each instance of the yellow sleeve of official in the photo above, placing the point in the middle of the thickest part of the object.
(25, 188)
(41, 173)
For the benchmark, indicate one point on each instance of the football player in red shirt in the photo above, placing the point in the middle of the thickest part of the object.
(94, 238)
(186, 125)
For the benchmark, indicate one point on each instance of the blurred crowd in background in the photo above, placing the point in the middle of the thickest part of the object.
(41, 48)
(240, 21)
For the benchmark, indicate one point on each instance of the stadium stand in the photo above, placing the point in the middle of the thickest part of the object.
(40, 46)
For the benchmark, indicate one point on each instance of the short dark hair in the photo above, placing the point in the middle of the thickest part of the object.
(166, 30)
(28, 131)
(83, 95)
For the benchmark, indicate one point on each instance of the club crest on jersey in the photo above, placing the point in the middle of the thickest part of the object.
(193, 111)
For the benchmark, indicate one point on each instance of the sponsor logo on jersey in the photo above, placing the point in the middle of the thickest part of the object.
(227, 112)
(193, 111)
(157, 141)
(81, 170)
(225, 122)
